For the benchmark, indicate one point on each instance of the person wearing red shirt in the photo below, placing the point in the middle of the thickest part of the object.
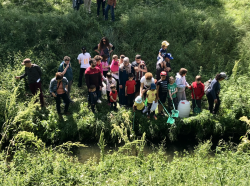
(113, 97)
(130, 90)
(198, 88)
(98, 63)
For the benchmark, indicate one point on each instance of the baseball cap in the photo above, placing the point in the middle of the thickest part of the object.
(169, 56)
(165, 43)
(153, 86)
(27, 60)
(223, 75)
(163, 73)
(138, 99)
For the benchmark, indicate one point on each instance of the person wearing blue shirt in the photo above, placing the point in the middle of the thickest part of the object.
(163, 50)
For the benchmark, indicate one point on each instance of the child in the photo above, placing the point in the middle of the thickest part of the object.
(138, 105)
(113, 97)
(162, 91)
(92, 97)
(163, 50)
(105, 65)
(109, 80)
(130, 89)
(151, 96)
(98, 62)
(111, 5)
(198, 88)
(172, 90)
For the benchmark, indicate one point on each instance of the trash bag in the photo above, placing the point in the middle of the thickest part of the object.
(103, 88)
(145, 110)
(154, 106)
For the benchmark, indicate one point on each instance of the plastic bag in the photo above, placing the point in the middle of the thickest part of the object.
(154, 106)
(103, 88)
(145, 110)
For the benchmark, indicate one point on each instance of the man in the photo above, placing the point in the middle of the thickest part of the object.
(34, 74)
(138, 69)
(65, 68)
(93, 77)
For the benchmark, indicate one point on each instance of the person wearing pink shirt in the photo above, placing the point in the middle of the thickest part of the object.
(105, 65)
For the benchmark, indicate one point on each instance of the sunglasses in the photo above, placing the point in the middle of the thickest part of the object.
(103, 41)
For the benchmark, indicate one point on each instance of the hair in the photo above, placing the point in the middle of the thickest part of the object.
(109, 75)
(105, 57)
(114, 56)
(98, 58)
(218, 77)
(27, 60)
(92, 87)
(130, 75)
(84, 50)
(163, 46)
(183, 71)
(91, 61)
(171, 77)
(122, 56)
(59, 76)
(138, 56)
(66, 58)
(198, 78)
(148, 75)
(102, 45)
(112, 86)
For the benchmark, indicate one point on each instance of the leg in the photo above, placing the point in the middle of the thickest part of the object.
(217, 105)
(184, 95)
(113, 13)
(82, 70)
(89, 5)
(115, 106)
(210, 102)
(108, 96)
(179, 96)
(169, 104)
(103, 8)
(98, 6)
(37, 86)
(198, 102)
(105, 73)
(93, 108)
(193, 104)
(175, 103)
(99, 93)
(106, 12)
(66, 101)
(137, 88)
(86, 5)
(58, 103)
(149, 107)
(117, 85)
(69, 88)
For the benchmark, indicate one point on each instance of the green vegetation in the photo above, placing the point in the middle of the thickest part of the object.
(205, 36)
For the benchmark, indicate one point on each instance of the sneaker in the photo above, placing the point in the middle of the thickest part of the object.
(155, 117)
(99, 101)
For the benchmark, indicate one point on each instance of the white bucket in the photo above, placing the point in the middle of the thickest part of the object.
(184, 108)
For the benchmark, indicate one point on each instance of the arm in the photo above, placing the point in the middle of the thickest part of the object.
(87, 80)
(202, 92)
(134, 107)
(22, 76)
(170, 95)
(158, 86)
(111, 46)
(39, 71)
(178, 83)
(141, 88)
(134, 89)
(126, 87)
(79, 61)
(96, 49)
(100, 80)
(65, 70)
(142, 70)
(111, 97)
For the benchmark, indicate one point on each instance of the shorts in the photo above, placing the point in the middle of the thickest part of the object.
(163, 98)
(137, 86)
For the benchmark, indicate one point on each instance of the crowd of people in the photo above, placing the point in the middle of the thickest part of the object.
(129, 84)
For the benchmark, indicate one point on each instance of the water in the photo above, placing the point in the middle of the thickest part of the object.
(85, 153)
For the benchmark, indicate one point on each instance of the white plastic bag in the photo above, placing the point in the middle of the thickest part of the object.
(103, 88)
(154, 106)
(145, 110)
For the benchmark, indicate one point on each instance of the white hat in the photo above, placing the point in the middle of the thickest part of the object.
(165, 43)
(138, 99)
(223, 75)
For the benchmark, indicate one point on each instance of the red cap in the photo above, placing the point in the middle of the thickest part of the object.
(163, 73)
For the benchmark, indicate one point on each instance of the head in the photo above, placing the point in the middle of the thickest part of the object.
(84, 50)
(59, 76)
(115, 57)
(138, 58)
(104, 43)
(221, 76)
(122, 57)
(183, 72)
(168, 57)
(138, 99)
(109, 76)
(92, 88)
(148, 76)
(198, 79)
(66, 59)
(163, 75)
(171, 79)
(92, 62)
(130, 76)
(164, 45)
(126, 61)
(98, 59)
(153, 86)
(27, 62)
(112, 87)
(104, 57)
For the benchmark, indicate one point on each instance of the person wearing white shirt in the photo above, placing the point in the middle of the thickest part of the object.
(181, 84)
(83, 60)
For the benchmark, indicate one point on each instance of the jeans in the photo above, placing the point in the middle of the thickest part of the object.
(58, 102)
(82, 71)
(69, 87)
(198, 103)
(210, 99)
(37, 86)
(108, 96)
(130, 99)
(99, 2)
(112, 12)
(93, 108)
(98, 92)
(181, 96)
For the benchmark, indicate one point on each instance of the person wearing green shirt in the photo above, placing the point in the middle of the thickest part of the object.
(172, 90)
(65, 68)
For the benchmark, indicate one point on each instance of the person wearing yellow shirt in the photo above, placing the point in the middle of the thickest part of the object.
(138, 105)
(151, 96)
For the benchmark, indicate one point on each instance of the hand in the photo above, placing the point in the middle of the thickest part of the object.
(215, 101)
(114, 6)
(120, 86)
(17, 77)
(168, 69)
(187, 86)
(171, 97)
(67, 66)
(53, 94)
(133, 110)
(126, 94)
(100, 88)
(197, 97)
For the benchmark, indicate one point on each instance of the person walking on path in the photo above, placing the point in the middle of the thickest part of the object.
(58, 88)
(181, 84)
(213, 92)
(99, 3)
(83, 60)
(139, 69)
(111, 5)
(34, 74)
(124, 71)
(87, 5)
(65, 68)
(93, 76)
(104, 47)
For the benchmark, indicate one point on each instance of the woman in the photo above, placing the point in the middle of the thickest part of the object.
(146, 82)
(164, 66)
(121, 59)
(58, 88)
(104, 48)
(181, 84)
(213, 91)
(124, 70)
(83, 60)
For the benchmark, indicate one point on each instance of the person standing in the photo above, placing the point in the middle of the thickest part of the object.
(146, 82)
(111, 5)
(87, 4)
(139, 69)
(213, 92)
(65, 68)
(58, 88)
(34, 74)
(99, 3)
(162, 91)
(164, 66)
(130, 90)
(83, 60)
(181, 84)
(121, 59)
(104, 48)
(124, 71)
(93, 76)
(105, 65)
